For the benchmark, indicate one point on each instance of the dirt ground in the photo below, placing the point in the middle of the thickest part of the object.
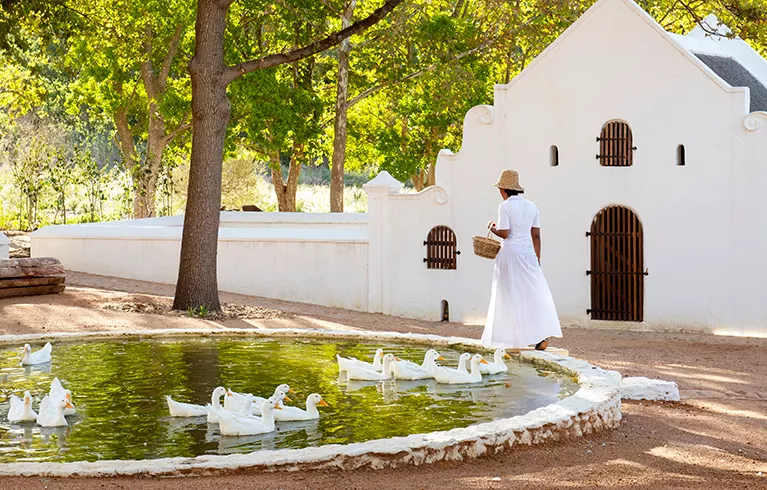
(716, 437)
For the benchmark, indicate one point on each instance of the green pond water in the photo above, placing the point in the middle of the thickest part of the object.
(119, 389)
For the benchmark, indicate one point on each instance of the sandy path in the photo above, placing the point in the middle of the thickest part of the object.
(718, 437)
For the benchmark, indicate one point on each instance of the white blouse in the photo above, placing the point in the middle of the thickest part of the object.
(518, 215)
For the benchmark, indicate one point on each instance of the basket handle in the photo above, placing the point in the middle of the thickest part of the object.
(488, 233)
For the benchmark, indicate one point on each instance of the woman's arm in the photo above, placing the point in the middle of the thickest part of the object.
(536, 234)
(501, 233)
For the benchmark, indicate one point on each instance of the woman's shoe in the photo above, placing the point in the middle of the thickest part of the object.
(542, 344)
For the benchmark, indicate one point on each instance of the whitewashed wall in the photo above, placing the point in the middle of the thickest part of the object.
(5, 245)
(317, 259)
(703, 233)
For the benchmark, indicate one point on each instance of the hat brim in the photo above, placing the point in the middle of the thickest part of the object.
(517, 188)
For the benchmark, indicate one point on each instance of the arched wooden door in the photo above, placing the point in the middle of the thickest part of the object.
(617, 266)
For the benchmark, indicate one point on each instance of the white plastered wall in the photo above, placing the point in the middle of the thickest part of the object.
(703, 237)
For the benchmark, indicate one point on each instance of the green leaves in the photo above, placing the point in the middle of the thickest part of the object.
(75, 63)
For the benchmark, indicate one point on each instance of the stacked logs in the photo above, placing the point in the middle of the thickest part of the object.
(28, 277)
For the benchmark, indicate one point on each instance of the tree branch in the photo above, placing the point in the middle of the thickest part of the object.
(147, 70)
(489, 42)
(269, 61)
(418, 73)
(335, 12)
(176, 132)
(167, 62)
(698, 20)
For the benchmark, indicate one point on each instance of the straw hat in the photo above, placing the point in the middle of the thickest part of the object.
(509, 179)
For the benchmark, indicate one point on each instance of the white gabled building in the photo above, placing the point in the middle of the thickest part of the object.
(652, 143)
(645, 151)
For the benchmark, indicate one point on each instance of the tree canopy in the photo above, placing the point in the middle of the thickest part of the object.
(100, 119)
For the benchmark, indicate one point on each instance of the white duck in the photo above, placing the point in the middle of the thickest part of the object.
(345, 362)
(464, 362)
(454, 376)
(52, 413)
(234, 402)
(289, 414)
(235, 424)
(426, 361)
(497, 366)
(364, 374)
(57, 392)
(40, 357)
(21, 409)
(412, 371)
(180, 409)
(215, 403)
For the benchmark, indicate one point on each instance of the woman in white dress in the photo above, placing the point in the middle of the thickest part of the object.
(521, 311)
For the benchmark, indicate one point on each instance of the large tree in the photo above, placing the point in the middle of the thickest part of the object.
(129, 63)
(197, 284)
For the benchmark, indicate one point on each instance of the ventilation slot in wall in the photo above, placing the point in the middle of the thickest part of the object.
(445, 311)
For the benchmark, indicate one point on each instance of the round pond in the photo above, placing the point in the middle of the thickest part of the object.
(119, 389)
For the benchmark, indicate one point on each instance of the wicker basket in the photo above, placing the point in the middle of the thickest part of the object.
(486, 247)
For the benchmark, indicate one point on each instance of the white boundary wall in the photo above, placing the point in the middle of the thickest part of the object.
(309, 258)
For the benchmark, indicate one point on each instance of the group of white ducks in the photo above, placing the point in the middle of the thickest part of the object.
(54, 407)
(386, 367)
(236, 417)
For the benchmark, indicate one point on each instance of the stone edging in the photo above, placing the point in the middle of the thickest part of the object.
(594, 407)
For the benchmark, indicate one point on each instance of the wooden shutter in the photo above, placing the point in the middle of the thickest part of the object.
(441, 249)
(616, 145)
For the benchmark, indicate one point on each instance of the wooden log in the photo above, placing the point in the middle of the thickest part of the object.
(38, 267)
(30, 281)
(17, 272)
(27, 262)
(31, 291)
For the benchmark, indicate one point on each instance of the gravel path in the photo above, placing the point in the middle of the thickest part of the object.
(717, 437)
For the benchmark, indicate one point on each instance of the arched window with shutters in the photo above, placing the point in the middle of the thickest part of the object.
(441, 249)
(616, 145)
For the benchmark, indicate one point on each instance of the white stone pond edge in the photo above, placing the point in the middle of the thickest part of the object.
(596, 406)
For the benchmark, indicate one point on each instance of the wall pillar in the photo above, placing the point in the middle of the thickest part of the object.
(380, 247)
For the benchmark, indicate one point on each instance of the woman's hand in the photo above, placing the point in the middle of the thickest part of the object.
(491, 226)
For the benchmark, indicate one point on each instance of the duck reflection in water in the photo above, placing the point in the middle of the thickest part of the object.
(240, 444)
(21, 434)
(38, 368)
(59, 434)
(176, 425)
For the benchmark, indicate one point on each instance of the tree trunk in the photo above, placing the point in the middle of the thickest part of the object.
(155, 84)
(417, 179)
(146, 180)
(125, 138)
(280, 189)
(339, 127)
(294, 171)
(197, 283)
(286, 192)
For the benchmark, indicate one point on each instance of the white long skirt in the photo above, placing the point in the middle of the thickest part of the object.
(522, 311)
